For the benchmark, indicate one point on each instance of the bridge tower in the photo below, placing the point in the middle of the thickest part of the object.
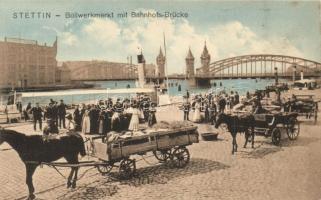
(160, 61)
(189, 64)
(205, 60)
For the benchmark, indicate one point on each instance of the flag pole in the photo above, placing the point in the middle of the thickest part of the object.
(166, 64)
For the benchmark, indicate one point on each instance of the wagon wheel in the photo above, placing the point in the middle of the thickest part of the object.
(293, 129)
(276, 136)
(180, 157)
(162, 155)
(105, 169)
(127, 168)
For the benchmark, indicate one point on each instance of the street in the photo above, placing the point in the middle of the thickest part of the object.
(291, 171)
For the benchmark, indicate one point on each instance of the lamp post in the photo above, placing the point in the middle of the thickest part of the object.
(276, 75)
(294, 73)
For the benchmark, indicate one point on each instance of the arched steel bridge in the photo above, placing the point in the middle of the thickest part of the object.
(259, 66)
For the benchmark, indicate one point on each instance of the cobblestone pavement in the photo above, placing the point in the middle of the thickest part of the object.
(291, 171)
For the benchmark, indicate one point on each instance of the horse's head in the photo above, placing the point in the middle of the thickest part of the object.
(220, 118)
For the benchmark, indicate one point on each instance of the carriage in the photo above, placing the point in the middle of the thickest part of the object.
(272, 125)
(167, 145)
(305, 105)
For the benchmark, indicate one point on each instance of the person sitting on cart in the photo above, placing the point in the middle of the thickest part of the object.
(257, 107)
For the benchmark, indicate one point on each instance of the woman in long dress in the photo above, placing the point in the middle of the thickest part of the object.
(134, 122)
(86, 123)
(197, 112)
(101, 120)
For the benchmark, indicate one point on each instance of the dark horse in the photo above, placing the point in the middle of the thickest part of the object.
(236, 124)
(33, 150)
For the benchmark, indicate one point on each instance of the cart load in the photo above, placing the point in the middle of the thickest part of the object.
(167, 141)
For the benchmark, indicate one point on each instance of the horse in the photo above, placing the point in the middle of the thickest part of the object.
(236, 125)
(33, 151)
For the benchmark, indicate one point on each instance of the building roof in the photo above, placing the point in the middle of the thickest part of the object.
(160, 55)
(205, 53)
(189, 54)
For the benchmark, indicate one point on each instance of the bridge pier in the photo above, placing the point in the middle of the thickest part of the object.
(199, 82)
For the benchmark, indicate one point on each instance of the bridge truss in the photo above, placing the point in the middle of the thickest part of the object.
(261, 65)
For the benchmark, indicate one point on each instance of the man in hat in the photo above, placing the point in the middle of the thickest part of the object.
(222, 104)
(62, 114)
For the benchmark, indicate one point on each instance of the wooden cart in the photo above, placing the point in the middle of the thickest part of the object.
(166, 145)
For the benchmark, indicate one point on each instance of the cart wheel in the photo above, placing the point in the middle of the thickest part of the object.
(127, 168)
(293, 129)
(180, 157)
(162, 155)
(105, 169)
(276, 136)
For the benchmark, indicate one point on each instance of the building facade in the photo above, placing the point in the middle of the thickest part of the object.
(205, 63)
(25, 64)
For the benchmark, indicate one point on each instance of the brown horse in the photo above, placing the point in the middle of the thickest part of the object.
(33, 150)
(236, 124)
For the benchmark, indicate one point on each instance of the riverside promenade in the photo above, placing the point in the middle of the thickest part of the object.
(291, 171)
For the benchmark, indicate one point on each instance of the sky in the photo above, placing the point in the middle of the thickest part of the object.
(230, 28)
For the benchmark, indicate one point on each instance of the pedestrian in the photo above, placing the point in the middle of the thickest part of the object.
(37, 116)
(206, 112)
(212, 112)
(134, 121)
(152, 117)
(77, 118)
(70, 121)
(62, 114)
(222, 104)
(101, 123)
(27, 111)
(86, 122)
(187, 94)
(54, 111)
(186, 109)
(197, 112)
(236, 98)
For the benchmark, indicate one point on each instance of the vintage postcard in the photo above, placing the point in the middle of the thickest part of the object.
(159, 99)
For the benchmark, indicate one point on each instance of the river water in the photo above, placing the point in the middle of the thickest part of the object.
(239, 85)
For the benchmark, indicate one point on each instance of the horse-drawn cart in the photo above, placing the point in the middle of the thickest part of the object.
(271, 125)
(166, 145)
(305, 105)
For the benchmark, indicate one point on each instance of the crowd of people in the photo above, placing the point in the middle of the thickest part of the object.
(206, 106)
(98, 118)
(208, 103)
